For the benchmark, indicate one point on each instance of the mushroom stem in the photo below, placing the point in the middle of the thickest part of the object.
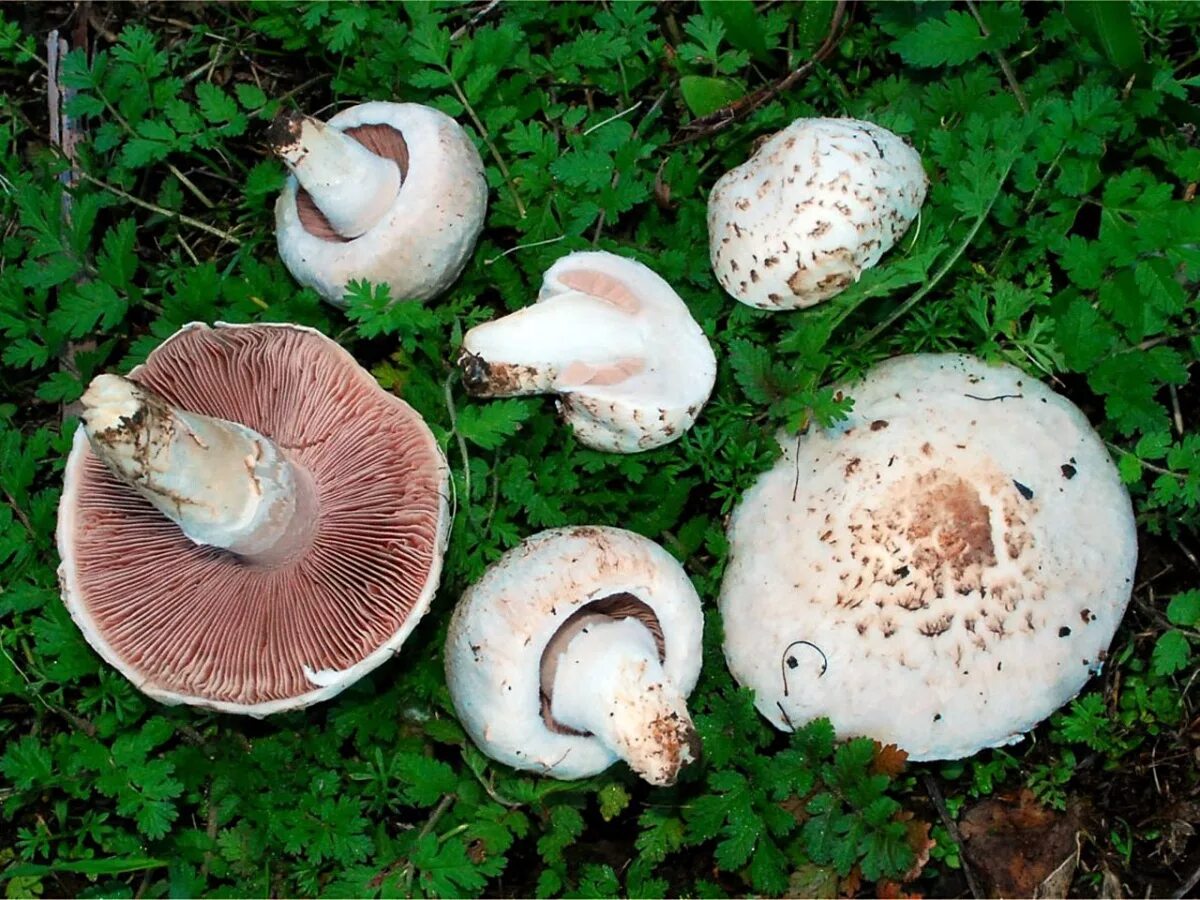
(609, 682)
(352, 186)
(222, 483)
(559, 343)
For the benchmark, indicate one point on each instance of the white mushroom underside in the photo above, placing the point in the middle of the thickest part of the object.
(422, 242)
(941, 571)
(505, 621)
(631, 366)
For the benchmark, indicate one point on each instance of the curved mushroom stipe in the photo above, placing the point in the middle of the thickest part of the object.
(601, 602)
(195, 624)
(815, 205)
(223, 484)
(351, 185)
(942, 570)
(424, 165)
(631, 367)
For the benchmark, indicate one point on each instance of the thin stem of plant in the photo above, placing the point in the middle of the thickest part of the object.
(1028, 208)
(462, 442)
(438, 811)
(1146, 465)
(466, 26)
(941, 273)
(155, 208)
(183, 179)
(939, 802)
(19, 513)
(616, 178)
(743, 106)
(514, 249)
(487, 139)
(1009, 75)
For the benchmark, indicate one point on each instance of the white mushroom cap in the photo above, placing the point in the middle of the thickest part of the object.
(516, 643)
(414, 232)
(817, 204)
(630, 365)
(942, 570)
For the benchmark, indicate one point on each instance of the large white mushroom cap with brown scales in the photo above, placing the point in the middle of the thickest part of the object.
(942, 570)
(632, 369)
(817, 203)
(249, 522)
(390, 193)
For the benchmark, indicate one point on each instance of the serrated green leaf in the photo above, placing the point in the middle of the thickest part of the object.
(613, 799)
(250, 96)
(1184, 609)
(743, 27)
(1172, 653)
(1110, 28)
(704, 95)
(488, 425)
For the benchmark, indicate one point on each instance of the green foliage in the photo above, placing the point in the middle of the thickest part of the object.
(1060, 234)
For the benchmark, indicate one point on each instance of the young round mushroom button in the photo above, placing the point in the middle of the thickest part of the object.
(941, 570)
(817, 203)
(576, 649)
(613, 340)
(391, 193)
(249, 522)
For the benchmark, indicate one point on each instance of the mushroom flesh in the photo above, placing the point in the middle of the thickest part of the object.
(942, 570)
(391, 193)
(249, 522)
(817, 203)
(579, 648)
(629, 364)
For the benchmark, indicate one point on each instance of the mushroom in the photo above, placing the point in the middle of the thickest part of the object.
(631, 367)
(393, 193)
(249, 522)
(942, 570)
(817, 203)
(576, 649)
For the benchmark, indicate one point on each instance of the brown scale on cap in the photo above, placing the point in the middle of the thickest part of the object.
(197, 621)
(929, 549)
(382, 140)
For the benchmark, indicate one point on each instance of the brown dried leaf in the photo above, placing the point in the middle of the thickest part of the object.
(1020, 848)
(889, 760)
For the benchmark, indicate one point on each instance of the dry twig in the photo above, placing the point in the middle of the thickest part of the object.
(743, 106)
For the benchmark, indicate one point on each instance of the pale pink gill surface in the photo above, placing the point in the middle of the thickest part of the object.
(200, 622)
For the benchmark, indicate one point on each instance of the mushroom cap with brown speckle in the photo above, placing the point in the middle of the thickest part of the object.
(819, 202)
(941, 570)
(194, 624)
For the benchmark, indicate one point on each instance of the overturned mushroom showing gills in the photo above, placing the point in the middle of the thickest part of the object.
(818, 203)
(393, 193)
(942, 570)
(629, 364)
(576, 649)
(249, 522)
